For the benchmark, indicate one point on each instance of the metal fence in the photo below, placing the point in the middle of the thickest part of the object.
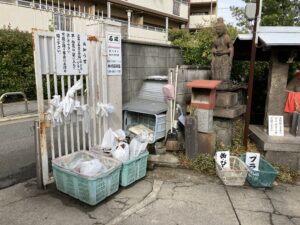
(75, 133)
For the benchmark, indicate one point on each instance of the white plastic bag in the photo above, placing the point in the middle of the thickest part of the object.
(92, 167)
(54, 111)
(120, 134)
(68, 104)
(121, 152)
(138, 145)
(104, 109)
(109, 140)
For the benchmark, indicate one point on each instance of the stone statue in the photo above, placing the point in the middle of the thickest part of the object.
(222, 53)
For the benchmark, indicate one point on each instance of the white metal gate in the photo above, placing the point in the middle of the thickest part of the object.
(75, 133)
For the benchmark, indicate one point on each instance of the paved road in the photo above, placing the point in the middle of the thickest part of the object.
(165, 196)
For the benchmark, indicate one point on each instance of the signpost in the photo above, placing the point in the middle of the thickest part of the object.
(114, 53)
(275, 125)
(223, 159)
(252, 160)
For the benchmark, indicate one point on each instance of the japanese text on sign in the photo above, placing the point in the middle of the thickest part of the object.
(71, 53)
(223, 159)
(252, 160)
(276, 127)
(114, 54)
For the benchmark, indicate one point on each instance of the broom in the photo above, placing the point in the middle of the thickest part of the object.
(171, 140)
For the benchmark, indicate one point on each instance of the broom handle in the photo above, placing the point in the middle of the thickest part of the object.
(171, 103)
(175, 92)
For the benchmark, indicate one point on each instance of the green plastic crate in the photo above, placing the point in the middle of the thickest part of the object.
(134, 170)
(90, 190)
(262, 178)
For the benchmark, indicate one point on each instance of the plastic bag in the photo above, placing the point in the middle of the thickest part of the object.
(54, 111)
(68, 104)
(109, 140)
(76, 160)
(138, 145)
(92, 167)
(168, 91)
(120, 135)
(104, 109)
(121, 152)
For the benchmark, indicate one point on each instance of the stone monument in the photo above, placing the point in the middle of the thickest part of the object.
(222, 53)
(229, 99)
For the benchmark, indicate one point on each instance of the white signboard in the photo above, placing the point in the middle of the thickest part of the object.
(114, 53)
(71, 53)
(276, 127)
(223, 159)
(252, 160)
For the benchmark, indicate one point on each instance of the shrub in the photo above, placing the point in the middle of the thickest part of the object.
(196, 47)
(16, 62)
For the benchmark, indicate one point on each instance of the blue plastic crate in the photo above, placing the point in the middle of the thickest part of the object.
(90, 190)
(134, 170)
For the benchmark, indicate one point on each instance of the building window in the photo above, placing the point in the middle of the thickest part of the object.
(63, 22)
(176, 8)
(199, 13)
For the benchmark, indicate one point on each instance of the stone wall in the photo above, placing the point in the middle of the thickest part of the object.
(143, 59)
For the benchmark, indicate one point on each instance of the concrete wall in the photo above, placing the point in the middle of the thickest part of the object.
(24, 18)
(186, 73)
(141, 60)
(140, 34)
(165, 6)
(197, 21)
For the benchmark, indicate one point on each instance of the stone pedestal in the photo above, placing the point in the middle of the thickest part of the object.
(204, 120)
(223, 129)
(226, 99)
(229, 106)
(283, 151)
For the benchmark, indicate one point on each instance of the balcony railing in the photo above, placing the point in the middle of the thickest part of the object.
(137, 32)
(203, 1)
(64, 9)
(146, 27)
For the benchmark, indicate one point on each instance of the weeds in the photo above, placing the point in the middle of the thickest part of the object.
(205, 163)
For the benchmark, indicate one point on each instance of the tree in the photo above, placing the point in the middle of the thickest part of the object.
(196, 47)
(274, 13)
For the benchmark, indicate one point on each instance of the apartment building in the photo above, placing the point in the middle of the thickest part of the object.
(202, 13)
(142, 20)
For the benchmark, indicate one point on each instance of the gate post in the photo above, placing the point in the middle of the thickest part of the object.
(39, 177)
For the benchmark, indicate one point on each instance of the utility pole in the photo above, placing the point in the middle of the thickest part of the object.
(211, 9)
(251, 73)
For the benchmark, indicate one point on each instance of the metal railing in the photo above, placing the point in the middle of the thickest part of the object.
(75, 11)
(71, 10)
(147, 27)
(2, 98)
